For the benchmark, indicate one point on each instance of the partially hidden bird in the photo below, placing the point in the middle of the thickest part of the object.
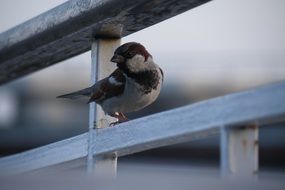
(135, 84)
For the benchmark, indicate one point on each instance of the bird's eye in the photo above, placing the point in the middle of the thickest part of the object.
(130, 54)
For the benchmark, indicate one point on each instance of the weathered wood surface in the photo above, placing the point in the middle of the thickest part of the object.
(239, 152)
(101, 67)
(59, 152)
(67, 30)
(262, 105)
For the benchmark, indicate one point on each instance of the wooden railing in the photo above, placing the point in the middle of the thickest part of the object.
(80, 25)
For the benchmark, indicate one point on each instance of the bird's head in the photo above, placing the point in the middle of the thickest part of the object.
(132, 57)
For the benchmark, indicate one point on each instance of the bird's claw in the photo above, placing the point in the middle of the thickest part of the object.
(118, 122)
(114, 123)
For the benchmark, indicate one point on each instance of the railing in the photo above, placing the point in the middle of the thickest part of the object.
(78, 25)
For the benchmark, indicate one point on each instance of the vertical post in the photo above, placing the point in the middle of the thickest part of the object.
(101, 52)
(239, 151)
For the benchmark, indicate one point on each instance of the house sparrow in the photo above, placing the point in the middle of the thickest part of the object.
(135, 84)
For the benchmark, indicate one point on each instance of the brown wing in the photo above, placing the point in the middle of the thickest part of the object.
(113, 85)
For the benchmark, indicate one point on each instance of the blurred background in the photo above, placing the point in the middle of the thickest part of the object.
(221, 47)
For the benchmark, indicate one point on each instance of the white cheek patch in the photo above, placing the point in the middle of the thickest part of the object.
(113, 81)
(137, 63)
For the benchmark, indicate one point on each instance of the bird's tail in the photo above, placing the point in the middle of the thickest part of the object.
(78, 94)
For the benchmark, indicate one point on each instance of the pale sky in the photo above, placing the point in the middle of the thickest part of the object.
(218, 25)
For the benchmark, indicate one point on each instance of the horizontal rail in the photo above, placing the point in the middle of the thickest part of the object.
(261, 105)
(67, 30)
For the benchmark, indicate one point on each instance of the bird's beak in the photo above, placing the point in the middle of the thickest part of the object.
(117, 59)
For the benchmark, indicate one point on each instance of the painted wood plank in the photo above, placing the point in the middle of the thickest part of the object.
(101, 52)
(55, 153)
(263, 105)
(68, 29)
(239, 152)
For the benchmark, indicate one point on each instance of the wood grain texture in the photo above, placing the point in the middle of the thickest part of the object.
(263, 105)
(68, 30)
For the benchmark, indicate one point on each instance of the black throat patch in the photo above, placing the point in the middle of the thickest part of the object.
(149, 80)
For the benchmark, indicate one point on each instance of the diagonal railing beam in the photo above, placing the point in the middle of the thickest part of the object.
(68, 30)
(262, 105)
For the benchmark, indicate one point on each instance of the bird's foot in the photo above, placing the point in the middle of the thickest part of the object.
(121, 118)
(117, 122)
(114, 123)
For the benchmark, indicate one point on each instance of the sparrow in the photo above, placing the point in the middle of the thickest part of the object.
(135, 84)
